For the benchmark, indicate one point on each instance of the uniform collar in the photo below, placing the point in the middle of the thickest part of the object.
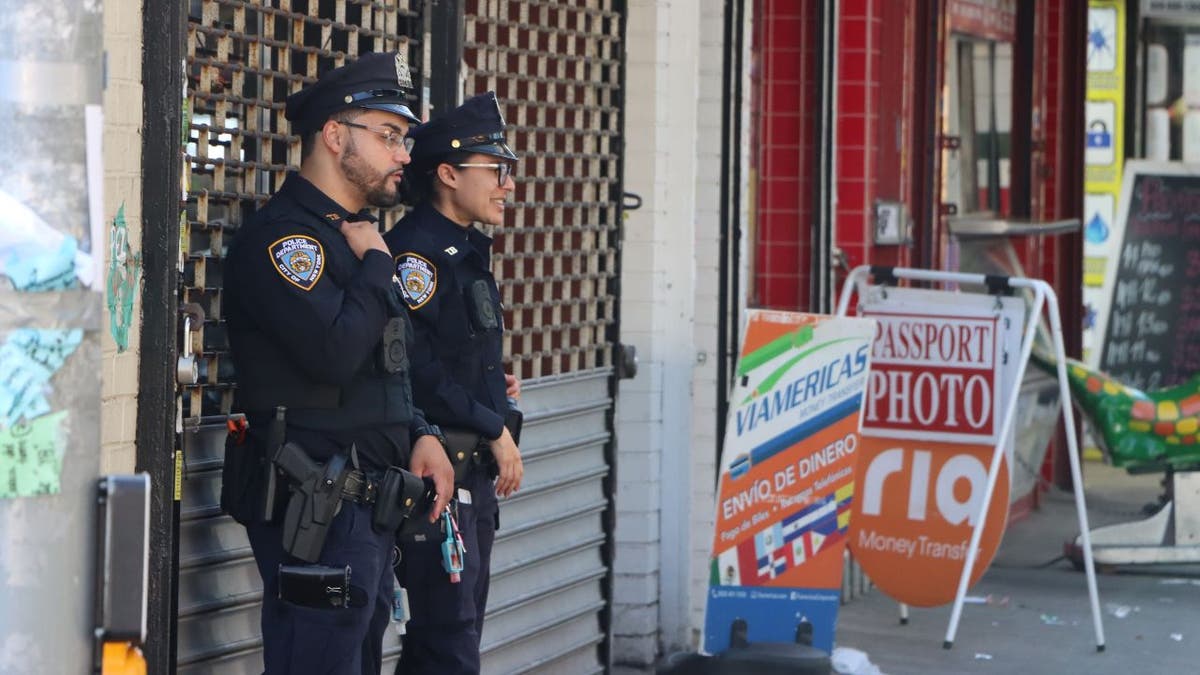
(454, 240)
(321, 205)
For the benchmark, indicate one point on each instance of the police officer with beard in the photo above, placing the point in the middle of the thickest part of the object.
(319, 338)
(461, 174)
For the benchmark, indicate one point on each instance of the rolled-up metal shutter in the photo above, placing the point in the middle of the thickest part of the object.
(243, 58)
(557, 69)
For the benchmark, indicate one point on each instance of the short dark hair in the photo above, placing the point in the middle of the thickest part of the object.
(418, 180)
(309, 141)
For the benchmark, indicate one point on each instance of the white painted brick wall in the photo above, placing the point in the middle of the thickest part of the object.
(654, 411)
(707, 255)
(670, 271)
(122, 144)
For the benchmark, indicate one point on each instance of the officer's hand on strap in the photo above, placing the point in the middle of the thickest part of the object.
(429, 459)
(508, 459)
(514, 387)
(363, 235)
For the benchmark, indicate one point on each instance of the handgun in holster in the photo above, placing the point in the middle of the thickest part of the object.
(316, 498)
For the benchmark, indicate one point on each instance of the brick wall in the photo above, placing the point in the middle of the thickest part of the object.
(658, 282)
(704, 442)
(856, 172)
(783, 67)
(122, 186)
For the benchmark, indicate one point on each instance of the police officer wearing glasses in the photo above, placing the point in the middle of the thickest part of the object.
(461, 175)
(320, 337)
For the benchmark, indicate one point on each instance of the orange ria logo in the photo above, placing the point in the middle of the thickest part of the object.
(917, 507)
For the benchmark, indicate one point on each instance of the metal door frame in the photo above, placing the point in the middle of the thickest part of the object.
(164, 25)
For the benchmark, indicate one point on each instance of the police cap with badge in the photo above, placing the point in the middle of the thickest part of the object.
(376, 81)
(476, 126)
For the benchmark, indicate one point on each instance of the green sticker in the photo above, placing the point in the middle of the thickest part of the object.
(31, 457)
(124, 268)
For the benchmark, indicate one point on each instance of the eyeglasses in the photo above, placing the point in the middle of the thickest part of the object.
(392, 140)
(503, 170)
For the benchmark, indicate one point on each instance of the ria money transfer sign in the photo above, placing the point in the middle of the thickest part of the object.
(787, 480)
(942, 366)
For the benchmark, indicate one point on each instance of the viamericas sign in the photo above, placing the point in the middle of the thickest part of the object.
(787, 479)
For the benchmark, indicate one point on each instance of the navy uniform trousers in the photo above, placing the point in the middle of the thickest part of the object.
(327, 641)
(442, 638)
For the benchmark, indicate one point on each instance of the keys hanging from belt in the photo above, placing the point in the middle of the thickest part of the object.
(452, 548)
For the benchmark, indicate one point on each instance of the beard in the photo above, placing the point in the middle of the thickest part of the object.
(377, 187)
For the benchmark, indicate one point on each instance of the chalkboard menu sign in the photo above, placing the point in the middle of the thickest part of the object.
(1152, 337)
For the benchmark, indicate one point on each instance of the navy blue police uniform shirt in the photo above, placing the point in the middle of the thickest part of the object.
(305, 319)
(446, 281)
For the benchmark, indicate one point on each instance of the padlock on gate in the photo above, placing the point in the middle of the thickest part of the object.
(1098, 135)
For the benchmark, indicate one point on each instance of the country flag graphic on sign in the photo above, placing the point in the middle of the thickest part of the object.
(788, 543)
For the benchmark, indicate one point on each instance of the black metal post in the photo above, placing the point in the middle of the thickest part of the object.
(613, 335)
(821, 235)
(445, 54)
(729, 270)
(164, 25)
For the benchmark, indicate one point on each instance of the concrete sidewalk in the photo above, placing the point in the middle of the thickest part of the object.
(1037, 618)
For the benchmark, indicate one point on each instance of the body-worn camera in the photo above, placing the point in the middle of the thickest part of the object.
(393, 348)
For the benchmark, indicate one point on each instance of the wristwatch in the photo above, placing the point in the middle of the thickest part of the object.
(428, 429)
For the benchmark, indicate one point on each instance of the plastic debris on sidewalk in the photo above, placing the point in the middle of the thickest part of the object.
(1120, 611)
(989, 599)
(980, 656)
(851, 661)
(1178, 637)
(1051, 620)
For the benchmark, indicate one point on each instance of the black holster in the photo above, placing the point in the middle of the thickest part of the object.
(402, 495)
(315, 501)
(464, 448)
(242, 477)
(468, 448)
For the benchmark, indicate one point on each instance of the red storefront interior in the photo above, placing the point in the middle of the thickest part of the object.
(890, 115)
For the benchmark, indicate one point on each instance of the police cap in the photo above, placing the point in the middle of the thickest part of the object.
(474, 126)
(376, 81)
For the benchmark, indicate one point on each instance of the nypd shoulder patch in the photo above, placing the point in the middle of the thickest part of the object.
(299, 259)
(418, 279)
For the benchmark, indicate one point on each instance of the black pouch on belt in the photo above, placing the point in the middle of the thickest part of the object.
(401, 495)
(461, 446)
(319, 587)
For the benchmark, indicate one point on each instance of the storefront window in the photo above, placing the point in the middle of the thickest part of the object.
(978, 120)
(1170, 129)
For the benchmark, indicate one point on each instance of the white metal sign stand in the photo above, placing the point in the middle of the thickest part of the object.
(1043, 296)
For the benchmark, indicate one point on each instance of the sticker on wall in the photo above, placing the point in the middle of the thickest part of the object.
(1098, 212)
(35, 256)
(31, 455)
(124, 268)
(1102, 33)
(1099, 132)
(28, 359)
